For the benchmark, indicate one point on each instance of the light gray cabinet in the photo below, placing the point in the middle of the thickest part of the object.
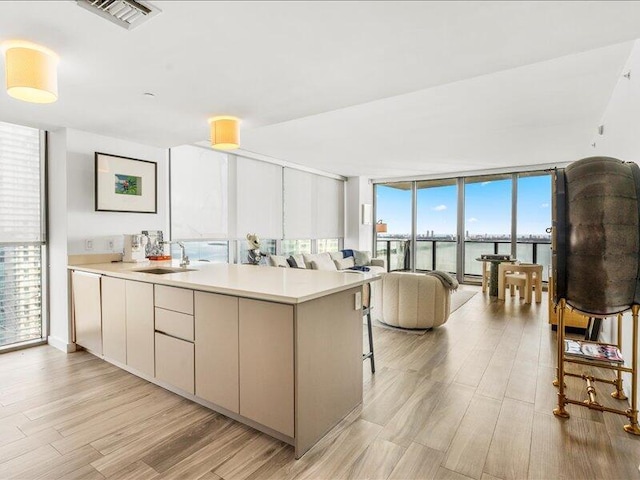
(140, 327)
(175, 362)
(127, 323)
(87, 312)
(174, 327)
(267, 364)
(114, 320)
(216, 349)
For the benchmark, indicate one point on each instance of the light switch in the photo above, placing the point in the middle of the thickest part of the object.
(358, 305)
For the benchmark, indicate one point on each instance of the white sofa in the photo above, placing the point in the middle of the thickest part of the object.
(334, 260)
(414, 300)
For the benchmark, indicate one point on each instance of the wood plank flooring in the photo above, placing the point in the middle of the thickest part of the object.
(470, 400)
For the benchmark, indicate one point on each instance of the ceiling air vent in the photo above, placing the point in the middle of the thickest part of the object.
(126, 13)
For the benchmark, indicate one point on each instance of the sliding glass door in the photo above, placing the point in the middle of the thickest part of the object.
(394, 214)
(21, 235)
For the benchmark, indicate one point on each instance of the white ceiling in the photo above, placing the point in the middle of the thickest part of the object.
(369, 88)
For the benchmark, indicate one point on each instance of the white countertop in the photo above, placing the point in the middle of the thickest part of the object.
(284, 285)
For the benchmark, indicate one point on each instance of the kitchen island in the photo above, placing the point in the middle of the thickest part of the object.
(278, 349)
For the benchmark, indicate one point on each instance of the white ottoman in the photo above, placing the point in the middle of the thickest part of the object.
(414, 300)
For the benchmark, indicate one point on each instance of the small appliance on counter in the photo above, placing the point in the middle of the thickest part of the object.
(134, 248)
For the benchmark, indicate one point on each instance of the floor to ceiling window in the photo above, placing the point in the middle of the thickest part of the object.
(487, 211)
(452, 222)
(394, 223)
(534, 218)
(21, 235)
(436, 225)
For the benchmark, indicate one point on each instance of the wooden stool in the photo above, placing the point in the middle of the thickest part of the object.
(486, 276)
(513, 280)
(533, 279)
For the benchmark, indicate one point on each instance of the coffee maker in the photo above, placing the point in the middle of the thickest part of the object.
(134, 248)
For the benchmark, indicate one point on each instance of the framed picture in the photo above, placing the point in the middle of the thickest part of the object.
(125, 184)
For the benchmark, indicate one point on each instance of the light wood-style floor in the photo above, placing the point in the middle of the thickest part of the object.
(472, 399)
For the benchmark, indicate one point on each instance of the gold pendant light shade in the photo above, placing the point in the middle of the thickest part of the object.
(31, 72)
(225, 132)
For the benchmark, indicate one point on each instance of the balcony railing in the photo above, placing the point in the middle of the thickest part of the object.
(444, 254)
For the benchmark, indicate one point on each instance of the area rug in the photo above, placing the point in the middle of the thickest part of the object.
(458, 298)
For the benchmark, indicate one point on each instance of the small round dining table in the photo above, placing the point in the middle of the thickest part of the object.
(493, 280)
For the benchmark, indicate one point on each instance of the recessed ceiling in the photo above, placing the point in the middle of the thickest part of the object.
(370, 88)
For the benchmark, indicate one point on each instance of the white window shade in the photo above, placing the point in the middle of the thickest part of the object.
(20, 170)
(299, 204)
(198, 193)
(313, 205)
(329, 208)
(259, 198)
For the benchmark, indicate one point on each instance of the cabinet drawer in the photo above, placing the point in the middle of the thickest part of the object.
(176, 299)
(175, 362)
(175, 324)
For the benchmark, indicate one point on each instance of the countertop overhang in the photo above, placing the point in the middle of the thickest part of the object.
(275, 284)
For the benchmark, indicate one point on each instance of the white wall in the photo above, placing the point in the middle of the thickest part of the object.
(621, 140)
(357, 235)
(59, 326)
(83, 222)
(72, 215)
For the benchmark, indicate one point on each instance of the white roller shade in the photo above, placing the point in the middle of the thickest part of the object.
(259, 198)
(198, 193)
(313, 205)
(299, 204)
(20, 170)
(329, 208)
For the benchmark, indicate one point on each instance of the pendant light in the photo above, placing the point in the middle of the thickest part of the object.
(225, 133)
(31, 72)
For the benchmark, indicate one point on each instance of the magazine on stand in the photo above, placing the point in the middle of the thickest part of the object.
(592, 351)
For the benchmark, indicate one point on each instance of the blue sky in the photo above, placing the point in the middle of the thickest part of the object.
(488, 207)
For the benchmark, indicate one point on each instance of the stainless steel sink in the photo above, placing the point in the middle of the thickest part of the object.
(164, 270)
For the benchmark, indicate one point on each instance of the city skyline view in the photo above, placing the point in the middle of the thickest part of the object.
(487, 209)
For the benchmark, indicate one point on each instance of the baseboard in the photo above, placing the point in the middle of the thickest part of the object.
(61, 344)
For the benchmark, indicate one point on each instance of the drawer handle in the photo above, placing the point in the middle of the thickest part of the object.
(173, 336)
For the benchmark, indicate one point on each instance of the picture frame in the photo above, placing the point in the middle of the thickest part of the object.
(124, 184)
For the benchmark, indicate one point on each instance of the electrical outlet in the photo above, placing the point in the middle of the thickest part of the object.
(110, 245)
(88, 244)
(358, 301)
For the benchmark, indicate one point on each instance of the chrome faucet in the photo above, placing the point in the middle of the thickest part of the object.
(184, 259)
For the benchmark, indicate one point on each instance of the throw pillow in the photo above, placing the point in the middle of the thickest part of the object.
(344, 263)
(278, 261)
(296, 261)
(308, 258)
(362, 258)
(336, 255)
(299, 261)
(323, 263)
